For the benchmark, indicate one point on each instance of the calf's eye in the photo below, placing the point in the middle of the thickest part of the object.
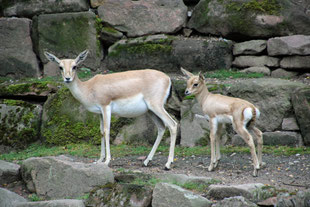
(195, 85)
(60, 68)
(74, 67)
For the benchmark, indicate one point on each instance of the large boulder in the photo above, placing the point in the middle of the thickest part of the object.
(66, 35)
(10, 199)
(17, 58)
(246, 19)
(138, 18)
(9, 172)
(194, 129)
(19, 122)
(271, 96)
(301, 100)
(289, 45)
(163, 192)
(25, 8)
(121, 195)
(61, 177)
(168, 54)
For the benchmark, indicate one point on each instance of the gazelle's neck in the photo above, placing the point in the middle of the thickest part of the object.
(204, 93)
(76, 88)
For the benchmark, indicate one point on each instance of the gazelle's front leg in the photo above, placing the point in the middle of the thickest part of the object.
(102, 153)
(218, 137)
(213, 130)
(106, 111)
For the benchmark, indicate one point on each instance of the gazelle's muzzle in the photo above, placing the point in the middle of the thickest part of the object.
(187, 92)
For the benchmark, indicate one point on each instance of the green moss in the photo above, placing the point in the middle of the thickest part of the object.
(110, 30)
(143, 48)
(19, 123)
(33, 86)
(271, 7)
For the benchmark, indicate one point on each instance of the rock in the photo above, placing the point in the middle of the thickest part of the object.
(53, 203)
(252, 47)
(17, 58)
(283, 138)
(198, 54)
(264, 70)
(252, 191)
(172, 195)
(60, 177)
(139, 18)
(121, 195)
(302, 198)
(295, 62)
(185, 179)
(71, 33)
(110, 35)
(194, 130)
(289, 45)
(271, 96)
(237, 201)
(290, 124)
(26, 8)
(258, 61)
(9, 172)
(19, 123)
(141, 130)
(300, 101)
(168, 54)
(242, 20)
(281, 73)
(9, 199)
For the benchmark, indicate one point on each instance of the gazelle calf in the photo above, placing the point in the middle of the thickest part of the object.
(126, 94)
(220, 110)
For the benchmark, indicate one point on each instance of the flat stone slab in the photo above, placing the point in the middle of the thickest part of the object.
(53, 203)
(165, 194)
(9, 199)
(289, 45)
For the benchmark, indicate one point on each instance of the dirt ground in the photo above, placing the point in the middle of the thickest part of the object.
(283, 172)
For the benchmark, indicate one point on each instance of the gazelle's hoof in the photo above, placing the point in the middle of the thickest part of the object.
(145, 163)
(167, 166)
(255, 173)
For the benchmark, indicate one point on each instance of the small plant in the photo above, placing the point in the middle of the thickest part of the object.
(231, 74)
(34, 197)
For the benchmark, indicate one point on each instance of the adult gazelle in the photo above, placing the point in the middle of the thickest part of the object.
(126, 94)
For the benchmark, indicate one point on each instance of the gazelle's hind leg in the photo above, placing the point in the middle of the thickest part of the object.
(171, 124)
(160, 132)
(259, 138)
(246, 136)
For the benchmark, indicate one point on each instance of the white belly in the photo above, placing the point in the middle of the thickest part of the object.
(129, 107)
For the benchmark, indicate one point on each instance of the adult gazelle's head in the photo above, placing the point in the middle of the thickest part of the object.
(195, 83)
(67, 66)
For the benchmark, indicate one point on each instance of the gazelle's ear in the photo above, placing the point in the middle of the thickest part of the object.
(186, 73)
(81, 57)
(51, 57)
(201, 77)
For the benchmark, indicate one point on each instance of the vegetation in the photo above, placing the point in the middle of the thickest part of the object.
(231, 74)
(93, 151)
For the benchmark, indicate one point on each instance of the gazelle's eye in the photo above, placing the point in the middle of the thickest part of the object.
(74, 68)
(195, 85)
(60, 68)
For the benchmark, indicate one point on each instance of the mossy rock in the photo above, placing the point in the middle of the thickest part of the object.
(65, 121)
(66, 35)
(248, 19)
(120, 194)
(19, 123)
